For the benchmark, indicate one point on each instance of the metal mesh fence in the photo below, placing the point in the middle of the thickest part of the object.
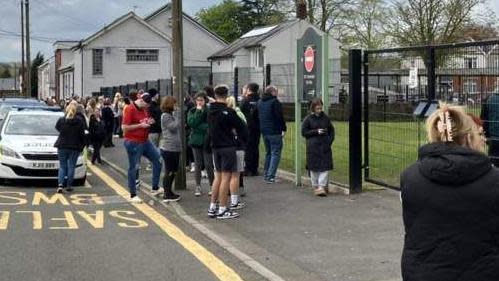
(398, 79)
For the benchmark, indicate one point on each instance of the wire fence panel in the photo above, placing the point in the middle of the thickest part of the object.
(464, 74)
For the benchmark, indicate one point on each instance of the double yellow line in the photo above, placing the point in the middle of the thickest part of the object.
(214, 264)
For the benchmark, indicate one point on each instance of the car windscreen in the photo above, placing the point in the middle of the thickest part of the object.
(31, 125)
(7, 106)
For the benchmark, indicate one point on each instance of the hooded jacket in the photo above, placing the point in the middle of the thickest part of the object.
(224, 125)
(71, 133)
(271, 116)
(450, 200)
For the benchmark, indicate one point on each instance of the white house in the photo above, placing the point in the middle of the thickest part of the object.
(131, 50)
(274, 45)
(46, 79)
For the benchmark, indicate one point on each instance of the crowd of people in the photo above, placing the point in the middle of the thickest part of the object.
(223, 140)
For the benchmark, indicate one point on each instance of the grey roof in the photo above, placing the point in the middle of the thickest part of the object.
(168, 6)
(251, 41)
(7, 84)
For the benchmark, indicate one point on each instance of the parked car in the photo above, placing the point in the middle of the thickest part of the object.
(27, 149)
(6, 104)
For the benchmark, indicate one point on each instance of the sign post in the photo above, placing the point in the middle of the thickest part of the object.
(312, 81)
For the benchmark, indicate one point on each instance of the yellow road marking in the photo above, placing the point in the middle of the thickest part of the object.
(214, 264)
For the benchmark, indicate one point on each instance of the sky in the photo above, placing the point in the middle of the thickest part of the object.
(70, 20)
(52, 20)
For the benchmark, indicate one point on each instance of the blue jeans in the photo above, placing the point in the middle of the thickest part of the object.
(273, 148)
(67, 166)
(135, 151)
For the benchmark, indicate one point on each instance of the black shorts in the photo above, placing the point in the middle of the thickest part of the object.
(171, 159)
(225, 159)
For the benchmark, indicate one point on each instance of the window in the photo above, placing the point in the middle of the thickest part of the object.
(470, 86)
(256, 57)
(470, 63)
(97, 61)
(141, 55)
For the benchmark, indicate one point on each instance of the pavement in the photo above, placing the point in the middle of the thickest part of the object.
(286, 233)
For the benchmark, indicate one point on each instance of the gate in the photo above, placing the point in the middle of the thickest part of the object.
(395, 81)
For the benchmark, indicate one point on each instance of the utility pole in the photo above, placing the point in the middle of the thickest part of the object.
(178, 85)
(28, 52)
(23, 78)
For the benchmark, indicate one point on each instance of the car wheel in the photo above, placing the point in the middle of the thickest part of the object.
(80, 182)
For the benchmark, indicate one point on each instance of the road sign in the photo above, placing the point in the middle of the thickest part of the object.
(309, 56)
(413, 77)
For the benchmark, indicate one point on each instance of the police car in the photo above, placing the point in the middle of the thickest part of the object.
(27, 149)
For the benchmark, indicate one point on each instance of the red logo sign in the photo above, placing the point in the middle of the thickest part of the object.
(309, 59)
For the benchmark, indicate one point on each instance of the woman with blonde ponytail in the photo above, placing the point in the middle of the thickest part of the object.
(450, 200)
(70, 144)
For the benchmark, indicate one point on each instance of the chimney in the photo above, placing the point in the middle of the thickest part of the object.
(301, 9)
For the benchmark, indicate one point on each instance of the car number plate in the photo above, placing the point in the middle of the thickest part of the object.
(41, 165)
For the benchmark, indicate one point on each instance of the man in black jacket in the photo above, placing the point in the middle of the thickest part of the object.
(273, 127)
(249, 107)
(222, 123)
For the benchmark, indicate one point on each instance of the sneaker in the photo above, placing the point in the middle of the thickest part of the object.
(171, 198)
(137, 184)
(319, 192)
(272, 180)
(228, 214)
(60, 189)
(156, 192)
(197, 192)
(193, 168)
(242, 192)
(212, 213)
(136, 200)
(238, 206)
(204, 174)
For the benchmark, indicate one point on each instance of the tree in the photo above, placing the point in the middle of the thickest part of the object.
(37, 61)
(224, 19)
(426, 22)
(261, 12)
(5, 73)
(478, 32)
(327, 14)
(365, 24)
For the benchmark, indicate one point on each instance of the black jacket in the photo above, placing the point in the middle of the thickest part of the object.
(249, 107)
(71, 133)
(450, 201)
(97, 130)
(271, 116)
(155, 113)
(319, 153)
(222, 121)
(108, 117)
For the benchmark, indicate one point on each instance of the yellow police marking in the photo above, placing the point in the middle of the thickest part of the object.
(138, 223)
(37, 218)
(96, 220)
(38, 197)
(18, 201)
(4, 219)
(69, 219)
(214, 264)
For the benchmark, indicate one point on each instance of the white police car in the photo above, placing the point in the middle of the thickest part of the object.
(27, 149)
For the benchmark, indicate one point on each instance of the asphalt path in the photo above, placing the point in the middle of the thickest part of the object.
(93, 234)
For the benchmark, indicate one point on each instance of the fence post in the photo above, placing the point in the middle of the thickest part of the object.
(366, 114)
(385, 100)
(189, 85)
(355, 120)
(147, 85)
(431, 73)
(171, 86)
(268, 69)
(236, 83)
(159, 88)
